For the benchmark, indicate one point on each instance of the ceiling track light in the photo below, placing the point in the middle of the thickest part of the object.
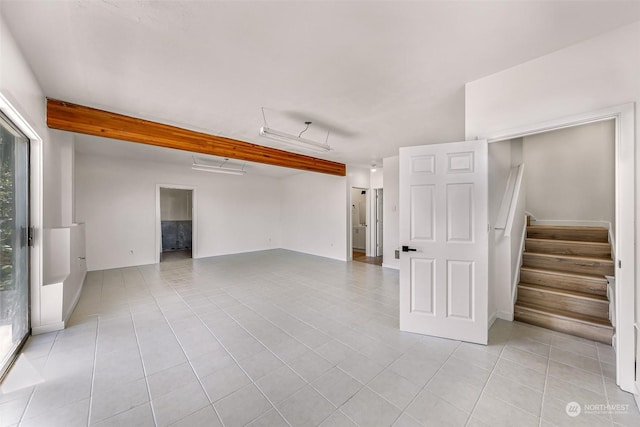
(294, 140)
(217, 168)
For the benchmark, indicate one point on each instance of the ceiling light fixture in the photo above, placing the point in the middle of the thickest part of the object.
(293, 140)
(373, 166)
(217, 168)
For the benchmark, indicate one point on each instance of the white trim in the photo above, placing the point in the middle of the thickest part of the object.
(35, 202)
(492, 319)
(76, 298)
(625, 209)
(516, 274)
(504, 315)
(393, 267)
(49, 327)
(194, 219)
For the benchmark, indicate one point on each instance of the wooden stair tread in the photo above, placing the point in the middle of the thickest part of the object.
(575, 242)
(567, 227)
(582, 276)
(580, 318)
(568, 232)
(565, 292)
(572, 257)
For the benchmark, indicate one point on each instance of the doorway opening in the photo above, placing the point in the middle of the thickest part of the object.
(176, 224)
(364, 239)
(624, 252)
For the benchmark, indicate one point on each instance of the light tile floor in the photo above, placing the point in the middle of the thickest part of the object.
(279, 338)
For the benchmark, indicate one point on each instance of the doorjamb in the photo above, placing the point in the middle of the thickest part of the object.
(36, 203)
(194, 219)
(624, 116)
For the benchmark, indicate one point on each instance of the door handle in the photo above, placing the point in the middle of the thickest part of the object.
(408, 249)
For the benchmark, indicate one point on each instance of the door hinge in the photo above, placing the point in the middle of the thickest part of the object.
(30, 236)
(619, 263)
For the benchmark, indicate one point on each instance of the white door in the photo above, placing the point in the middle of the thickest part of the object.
(443, 233)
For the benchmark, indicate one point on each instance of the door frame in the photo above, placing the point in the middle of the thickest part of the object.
(376, 237)
(367, 218)
(194, 219)
(17, 117)
(624, 117)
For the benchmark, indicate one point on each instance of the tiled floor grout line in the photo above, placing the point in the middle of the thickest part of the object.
(604, 383)
(144, 368)
(192, 369)
(235, 361)
(33, 392)
(93, 371)
(310, 383)
(365, 385)
(484, 386)
(427, 383)
(546, 380)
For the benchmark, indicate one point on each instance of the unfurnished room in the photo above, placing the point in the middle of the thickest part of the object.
(319, 213)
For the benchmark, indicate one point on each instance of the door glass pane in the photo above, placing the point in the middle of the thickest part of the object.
(14, 249)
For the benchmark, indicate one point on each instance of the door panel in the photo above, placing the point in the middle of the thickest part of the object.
(443, 216)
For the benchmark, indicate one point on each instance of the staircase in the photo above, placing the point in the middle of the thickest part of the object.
(562, 285)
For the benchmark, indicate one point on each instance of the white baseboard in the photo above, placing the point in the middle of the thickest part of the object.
(505, 315)
(394, 267)
(51, 327)
(492, 319)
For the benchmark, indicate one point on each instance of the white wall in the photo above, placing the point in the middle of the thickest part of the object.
(376, 179)
(570, 173)
(116, 198)
(315, 214)
(391, 230)
(175, 204)
(20, 87)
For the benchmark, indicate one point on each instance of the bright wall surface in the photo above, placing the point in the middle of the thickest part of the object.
(391, 227)
(175, 204)
(315, 214)
(570, 173)
(116, 198)
(20, 88)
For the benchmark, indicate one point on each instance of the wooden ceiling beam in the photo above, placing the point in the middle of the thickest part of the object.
(70, 117)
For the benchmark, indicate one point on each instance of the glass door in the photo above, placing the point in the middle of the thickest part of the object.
(14, 241)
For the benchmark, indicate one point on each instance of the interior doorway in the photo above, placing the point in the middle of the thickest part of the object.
(359, 237)
(176, 224)
(623, 230)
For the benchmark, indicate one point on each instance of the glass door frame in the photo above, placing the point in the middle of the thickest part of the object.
(16, 115)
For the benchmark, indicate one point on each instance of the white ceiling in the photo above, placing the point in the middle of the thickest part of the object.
(377, 75)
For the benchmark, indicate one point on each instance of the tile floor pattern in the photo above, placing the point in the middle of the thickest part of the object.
(278, 338)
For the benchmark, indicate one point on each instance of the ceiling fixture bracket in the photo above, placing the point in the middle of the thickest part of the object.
(293, 140)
